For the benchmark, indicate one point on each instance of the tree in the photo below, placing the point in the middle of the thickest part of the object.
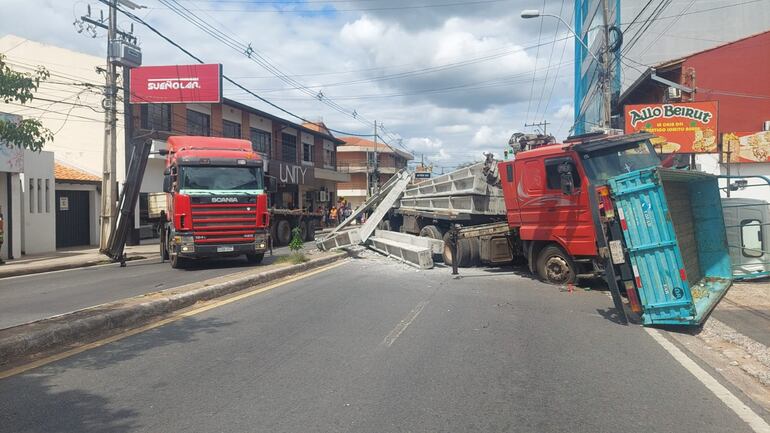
(20, 87)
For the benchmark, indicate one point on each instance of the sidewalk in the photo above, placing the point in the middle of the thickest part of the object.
(69, 258)
(746, 309)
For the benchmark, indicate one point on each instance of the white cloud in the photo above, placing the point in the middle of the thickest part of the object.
(452, 129)
(565, 112)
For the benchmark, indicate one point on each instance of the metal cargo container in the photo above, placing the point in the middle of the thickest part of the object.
(674, 232)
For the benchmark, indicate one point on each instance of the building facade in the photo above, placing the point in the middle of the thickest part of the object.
(369, 165)
(733, 75)
(653, 32)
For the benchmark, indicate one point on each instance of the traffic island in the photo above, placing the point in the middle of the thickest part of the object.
(24, 343)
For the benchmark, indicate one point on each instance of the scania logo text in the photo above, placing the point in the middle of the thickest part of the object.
(224, 199)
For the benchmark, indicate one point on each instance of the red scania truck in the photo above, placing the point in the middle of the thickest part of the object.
(216, 205)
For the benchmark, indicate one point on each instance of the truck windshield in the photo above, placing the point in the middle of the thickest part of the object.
(220, 178)
(606, 163)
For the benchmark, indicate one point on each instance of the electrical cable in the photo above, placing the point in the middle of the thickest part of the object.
(534, 71)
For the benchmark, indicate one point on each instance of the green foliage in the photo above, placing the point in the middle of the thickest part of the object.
(20, 87)
(296, 240)
(293, 258)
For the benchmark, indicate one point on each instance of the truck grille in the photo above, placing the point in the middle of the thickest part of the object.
(224, 223)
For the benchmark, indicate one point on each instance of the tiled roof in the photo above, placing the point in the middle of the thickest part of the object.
(381, 147)
(65, 172)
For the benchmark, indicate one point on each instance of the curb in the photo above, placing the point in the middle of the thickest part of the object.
(62, 267)
(21, 342)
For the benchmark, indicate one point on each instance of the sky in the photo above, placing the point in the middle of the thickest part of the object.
(448, 79)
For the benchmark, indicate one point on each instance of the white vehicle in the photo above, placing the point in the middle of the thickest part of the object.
(747, 222)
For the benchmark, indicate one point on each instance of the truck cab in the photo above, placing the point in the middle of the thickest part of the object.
(216, 201)
(548, 204)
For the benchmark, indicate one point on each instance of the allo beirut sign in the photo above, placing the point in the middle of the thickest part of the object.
(746, 147)
(687, 127)
(176, 84)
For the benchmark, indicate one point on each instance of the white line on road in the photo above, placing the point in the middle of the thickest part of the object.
(403, 324)
(729, 399)
(80, 268)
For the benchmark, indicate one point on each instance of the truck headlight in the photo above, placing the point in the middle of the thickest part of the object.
(188, 239)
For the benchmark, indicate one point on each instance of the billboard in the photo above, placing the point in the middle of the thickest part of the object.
(746, 147)
(686, 127)
(176, 84)
(11, 156)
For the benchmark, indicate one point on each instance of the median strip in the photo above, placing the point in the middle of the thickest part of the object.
(22, 343)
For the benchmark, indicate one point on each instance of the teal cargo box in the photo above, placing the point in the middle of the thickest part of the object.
(674, 233)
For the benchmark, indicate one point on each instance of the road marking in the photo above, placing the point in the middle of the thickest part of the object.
(174, 318)
(78, 268)
(403, 324)
(744, 412)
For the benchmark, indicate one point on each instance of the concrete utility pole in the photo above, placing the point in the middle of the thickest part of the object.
(544, 124)
(607, 67)
(376, 171)
(109, 162)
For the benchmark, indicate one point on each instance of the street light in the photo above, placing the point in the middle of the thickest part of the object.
(534, 13)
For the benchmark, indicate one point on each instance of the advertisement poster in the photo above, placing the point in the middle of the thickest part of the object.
(686, 127)
(176, 84)
(746, 147)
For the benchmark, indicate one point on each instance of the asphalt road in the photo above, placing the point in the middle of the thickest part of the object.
(34, 297)
(373, 346)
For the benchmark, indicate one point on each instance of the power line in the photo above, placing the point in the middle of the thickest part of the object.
(305, 11)
(550, 59)
(534, 72)
(558, 68)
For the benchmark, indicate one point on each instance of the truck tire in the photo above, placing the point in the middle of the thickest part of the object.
(467, 252)
(431, 231)
(282, 232)
(163, 245)
(554, 266)
(302, 229)
(255, 259)
(179, 262)
(310, 231)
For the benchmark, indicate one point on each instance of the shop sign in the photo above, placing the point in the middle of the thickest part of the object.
(64, 203)
(746, 147)
(176, 84)
(686, 127)
(11, 155)
(290, 174)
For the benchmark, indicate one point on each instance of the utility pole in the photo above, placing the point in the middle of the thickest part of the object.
(606, 81)
(109, 162)
(376, 171)
(544, 124)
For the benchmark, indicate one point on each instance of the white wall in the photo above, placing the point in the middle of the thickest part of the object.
(232, 114)
(40, 225)
(710, 164)
(79, 130)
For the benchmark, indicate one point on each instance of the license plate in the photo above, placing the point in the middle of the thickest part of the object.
(616, 251)
(224, 249)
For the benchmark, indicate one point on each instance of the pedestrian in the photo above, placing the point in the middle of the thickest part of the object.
(333, 216)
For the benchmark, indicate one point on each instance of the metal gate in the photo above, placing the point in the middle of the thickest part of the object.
(72, 226)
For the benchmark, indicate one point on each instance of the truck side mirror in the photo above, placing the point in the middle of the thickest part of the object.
(167, 183)
(567, 183)
(271, 185)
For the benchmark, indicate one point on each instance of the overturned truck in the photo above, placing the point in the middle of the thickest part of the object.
(594, 206)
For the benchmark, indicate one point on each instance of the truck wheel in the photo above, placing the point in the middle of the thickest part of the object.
(283, 232)
(465, 252)
(310, 231)
(179, 262)
(302, 230)
(255, 259)
(431, 231)
(554, 266)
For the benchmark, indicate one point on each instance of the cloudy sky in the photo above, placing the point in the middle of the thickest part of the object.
(450, 78)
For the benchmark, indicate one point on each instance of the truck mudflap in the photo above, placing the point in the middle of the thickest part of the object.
(674, 233)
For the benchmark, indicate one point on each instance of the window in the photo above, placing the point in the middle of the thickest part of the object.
(329, 159)
(40, 196)
(231, 129)
(260, 140)
(48, 196)
(156, 117)
(371, 158)
(509, 172)
(552, 175)
(31, 195)
(288, 148)
(307, 152)
(605, 163)
(198, 123)
(752, 241)
(220, 178)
